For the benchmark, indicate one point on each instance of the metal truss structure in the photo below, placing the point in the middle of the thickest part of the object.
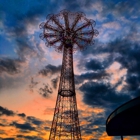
(67, 32)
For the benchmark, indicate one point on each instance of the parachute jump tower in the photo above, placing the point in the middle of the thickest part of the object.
(67, 32)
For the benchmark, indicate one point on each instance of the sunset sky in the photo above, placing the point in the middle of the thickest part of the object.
(107, 74)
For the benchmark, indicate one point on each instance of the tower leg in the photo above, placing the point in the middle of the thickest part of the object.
(65, 125)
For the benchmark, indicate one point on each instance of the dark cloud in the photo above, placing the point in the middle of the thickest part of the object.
(29, 137)
(13, 69)
(128, 57)
(103, 95)
(55, 82)
(20, 136)
(8, 139)
(25, 50)
(33, 84)
(22, 115)
(97, 68)
(97, 48)
(10, 66)
(1, 125)
(94, 65)
(25, 126)
(93, 120)
(34, 120)
(50, 69)
(46, 128)
(122, 50)
(7, 112)
(45, 91)
(99, 75)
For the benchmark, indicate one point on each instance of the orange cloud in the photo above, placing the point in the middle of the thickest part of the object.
(104, 136)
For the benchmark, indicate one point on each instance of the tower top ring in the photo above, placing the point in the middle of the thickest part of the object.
(68, 29)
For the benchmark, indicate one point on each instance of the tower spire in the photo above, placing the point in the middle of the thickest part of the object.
(64, 35)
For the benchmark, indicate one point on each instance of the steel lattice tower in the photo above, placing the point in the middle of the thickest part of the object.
(67, 32)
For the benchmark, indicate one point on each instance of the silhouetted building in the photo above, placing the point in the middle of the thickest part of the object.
(125, 120)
